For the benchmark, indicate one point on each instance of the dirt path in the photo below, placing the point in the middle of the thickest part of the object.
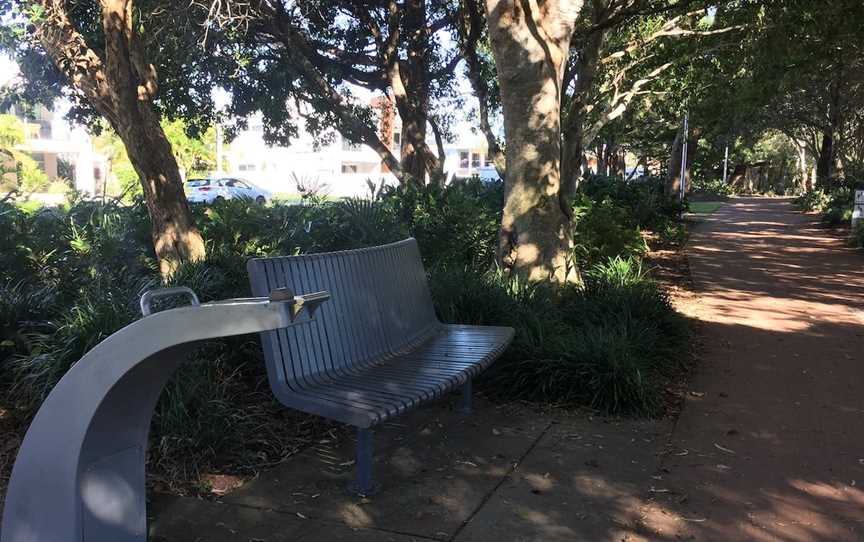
(770, 444)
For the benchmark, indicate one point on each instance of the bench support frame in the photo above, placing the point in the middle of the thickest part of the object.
(364, 485)
(466, 403)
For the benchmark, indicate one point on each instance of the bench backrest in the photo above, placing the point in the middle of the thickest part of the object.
(379, 304)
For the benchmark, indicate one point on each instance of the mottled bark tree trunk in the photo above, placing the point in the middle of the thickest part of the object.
(471, 26)
(530, 42)
(673, 172)
(825, 160)
(411, 91)
(575, 118)
(121, 86)
(739, 176)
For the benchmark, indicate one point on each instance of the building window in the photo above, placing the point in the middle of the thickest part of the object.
(246, 167)
(463, 159)
(475, 160)
(44, 129)
(349, 168)
(397, 141)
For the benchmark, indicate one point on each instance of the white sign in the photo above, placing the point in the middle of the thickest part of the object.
(858, 210)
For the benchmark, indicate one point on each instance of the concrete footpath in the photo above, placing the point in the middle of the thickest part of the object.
(769, 445)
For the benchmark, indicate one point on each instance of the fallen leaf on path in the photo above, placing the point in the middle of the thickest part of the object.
(496, 432)
(724, 449)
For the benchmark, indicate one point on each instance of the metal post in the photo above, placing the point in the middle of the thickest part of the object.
(683, 179)
(465, 403)
(363, 485)
(725, 164)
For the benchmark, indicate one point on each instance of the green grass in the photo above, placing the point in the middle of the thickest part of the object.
(704, 207)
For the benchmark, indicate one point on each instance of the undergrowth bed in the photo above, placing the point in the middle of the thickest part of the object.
(69, 277)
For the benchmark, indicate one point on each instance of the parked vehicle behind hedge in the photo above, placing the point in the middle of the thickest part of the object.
(220, 189)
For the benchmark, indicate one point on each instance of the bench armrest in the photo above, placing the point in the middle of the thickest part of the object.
(299, 303)
(150, 295)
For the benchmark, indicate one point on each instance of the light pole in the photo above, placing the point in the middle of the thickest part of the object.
(725, 164)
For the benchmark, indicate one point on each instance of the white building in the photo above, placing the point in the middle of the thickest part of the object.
(340, 168)
(55, 146)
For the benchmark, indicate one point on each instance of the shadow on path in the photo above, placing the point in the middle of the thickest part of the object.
(769, 444)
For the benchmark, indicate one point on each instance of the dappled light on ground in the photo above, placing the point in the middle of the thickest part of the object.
(767, 447)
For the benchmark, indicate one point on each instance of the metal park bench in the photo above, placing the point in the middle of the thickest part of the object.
(376, 349)
(371, 352)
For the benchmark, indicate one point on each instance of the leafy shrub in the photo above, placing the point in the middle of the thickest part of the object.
(712, 186)
(857, 237)
(604, 230)
(456, 225)
(613, 343)
(813, 201)
(71, 276)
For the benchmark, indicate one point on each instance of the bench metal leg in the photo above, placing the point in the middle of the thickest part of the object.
(364, 485)
(465, 405)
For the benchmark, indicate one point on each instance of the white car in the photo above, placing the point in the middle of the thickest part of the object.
(488, 174)
(223, 188)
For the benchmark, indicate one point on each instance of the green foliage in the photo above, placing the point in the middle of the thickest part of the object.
(195, 154)
(71, 276)
(813, 201)
(604, 230)
(610, 215)
(613, 343)
(11, 132)
(704, 207)
(712, 186)
(835, 205)
(456, 226)
(857, 237)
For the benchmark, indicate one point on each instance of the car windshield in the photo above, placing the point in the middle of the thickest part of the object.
(195, 183)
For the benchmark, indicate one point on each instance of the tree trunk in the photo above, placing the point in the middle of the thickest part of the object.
(121, 86)
(351, 126)
(739, 176)
(175, 237)
(530, 43)
(574, 123)
(803, 179)
(470, 30)
(825, 161)
(673, 172)
(411, 92)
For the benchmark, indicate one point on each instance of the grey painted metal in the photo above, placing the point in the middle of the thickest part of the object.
(364, 484)
(377, 349)
(150, 295)
(79, 474)
(465, 406)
